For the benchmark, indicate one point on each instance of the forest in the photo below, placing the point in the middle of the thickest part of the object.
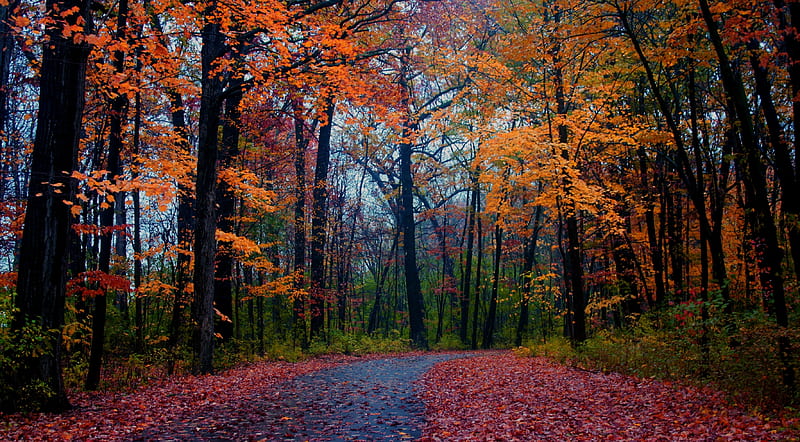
(188, 184)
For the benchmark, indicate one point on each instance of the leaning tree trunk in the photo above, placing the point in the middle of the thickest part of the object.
(41, 283)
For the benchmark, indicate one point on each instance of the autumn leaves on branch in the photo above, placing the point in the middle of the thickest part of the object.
(255, 170)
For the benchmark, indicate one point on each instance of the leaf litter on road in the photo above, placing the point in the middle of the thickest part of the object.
(506, 397)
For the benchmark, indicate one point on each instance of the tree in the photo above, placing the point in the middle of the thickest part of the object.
(319, 219)
(416, 313)
(757, 209)
(205, 207)
(118, 108)
(41, 282)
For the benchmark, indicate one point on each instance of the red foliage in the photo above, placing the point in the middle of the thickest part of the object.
(505, 397)
(171, 403)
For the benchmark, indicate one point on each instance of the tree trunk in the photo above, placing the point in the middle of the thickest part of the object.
(118, 106)
(466, 285)
(478, 274)
(528, 266)
(299, 305)
(784, 166)
(226, 210)
(137, 227)
(488, 331)
(185, 217)
(416, 313)
(319, 221)
(375, 314)
(205, 229)
(46, 234)
(573, 263)
(788, 23)
(769, 255)
(652, 239)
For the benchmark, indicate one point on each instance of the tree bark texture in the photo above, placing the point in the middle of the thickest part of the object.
(319, 221)
(205, 230)
(41, 283)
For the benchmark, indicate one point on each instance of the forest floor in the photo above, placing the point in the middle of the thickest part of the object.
(424, 396)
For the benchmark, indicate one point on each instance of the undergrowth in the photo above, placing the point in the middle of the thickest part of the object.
(739, 358)
(124, 371)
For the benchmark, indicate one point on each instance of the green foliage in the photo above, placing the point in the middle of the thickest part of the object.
(449, 342)
(359, 343)
(17, 349)
(669, 345)
(558, 349)
(283, 351)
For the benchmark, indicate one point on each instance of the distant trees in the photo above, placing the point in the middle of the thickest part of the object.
(452, 173)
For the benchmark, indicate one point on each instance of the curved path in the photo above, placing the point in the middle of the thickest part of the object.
(362, 401)
(375, 399)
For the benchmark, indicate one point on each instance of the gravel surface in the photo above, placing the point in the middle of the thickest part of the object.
(370, 400)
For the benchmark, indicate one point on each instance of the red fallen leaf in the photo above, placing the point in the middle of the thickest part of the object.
(115, 416)
(485, 397)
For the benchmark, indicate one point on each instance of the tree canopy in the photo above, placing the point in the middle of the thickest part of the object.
(186, 181)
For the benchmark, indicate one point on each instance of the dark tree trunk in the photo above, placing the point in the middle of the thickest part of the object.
(185, 219)
(769, 255)
(488, 331)
(528, 265)
(573, 263)
(6, 51)
(226, 210)
(319, 221)
(478, 274)
(205, 229)
(625, 264)
(375, 314)
(185, 232)
(466, 285)
(574, 273)
(299, 305)
(416, 312)
(784, 166)
(137, 227)
(788, 22)
(119, 104)
(695, 185)
(416, 307)
(674, 226)
(650, 221)
(42, 273)
(120, 251)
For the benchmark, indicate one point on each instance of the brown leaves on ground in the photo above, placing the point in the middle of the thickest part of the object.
(505, 397)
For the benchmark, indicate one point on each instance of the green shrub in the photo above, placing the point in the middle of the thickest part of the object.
(17, 348)
(339, 342)
(738, 356)
(449, 342)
